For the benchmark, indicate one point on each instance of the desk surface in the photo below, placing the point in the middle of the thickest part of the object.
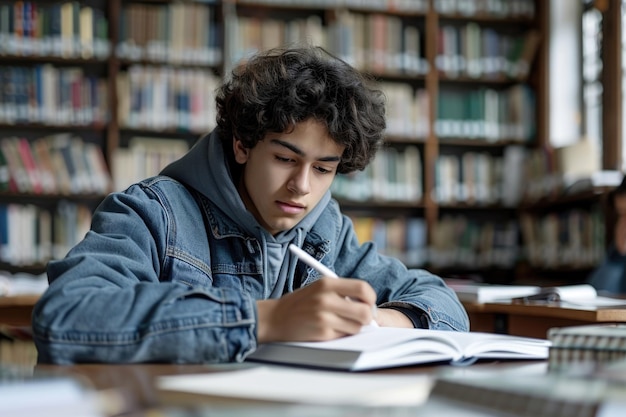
(557, 310)
(534, 320)
(19, 300)
(16, 310)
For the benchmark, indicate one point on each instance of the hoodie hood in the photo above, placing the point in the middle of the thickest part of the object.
(205, 168)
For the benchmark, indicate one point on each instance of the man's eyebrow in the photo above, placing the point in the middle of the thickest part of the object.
(299, 151)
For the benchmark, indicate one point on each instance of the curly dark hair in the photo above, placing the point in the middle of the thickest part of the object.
(276, 89)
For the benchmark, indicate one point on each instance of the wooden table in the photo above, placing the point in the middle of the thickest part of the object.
(534, 320)
(17, 310)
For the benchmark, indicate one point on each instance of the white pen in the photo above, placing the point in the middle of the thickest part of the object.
(319, 267)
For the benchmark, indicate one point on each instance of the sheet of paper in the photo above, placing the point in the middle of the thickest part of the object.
(598, 301)
(289, 385)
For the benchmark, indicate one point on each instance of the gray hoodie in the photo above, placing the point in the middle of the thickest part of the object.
(206, 169)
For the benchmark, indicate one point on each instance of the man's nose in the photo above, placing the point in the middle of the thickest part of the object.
(300, 181)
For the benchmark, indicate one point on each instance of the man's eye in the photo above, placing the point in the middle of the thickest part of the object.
(282, 159)
(323, 170)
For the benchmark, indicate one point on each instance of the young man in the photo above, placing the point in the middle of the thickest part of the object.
(193, 266)
(610, 276)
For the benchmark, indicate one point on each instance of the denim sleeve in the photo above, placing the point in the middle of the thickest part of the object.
(429, 298)
(106, 302)
(415, 315)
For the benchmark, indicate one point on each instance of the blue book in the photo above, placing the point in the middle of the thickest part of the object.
(4, 232)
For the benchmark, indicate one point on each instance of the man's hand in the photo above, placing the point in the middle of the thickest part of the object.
(323, 310)
(387, 317)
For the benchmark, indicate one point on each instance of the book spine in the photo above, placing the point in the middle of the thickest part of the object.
(30, 165)
(18, 177)
(590, 346)
(4, 233)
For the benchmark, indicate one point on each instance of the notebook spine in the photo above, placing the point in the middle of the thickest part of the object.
(577, 349)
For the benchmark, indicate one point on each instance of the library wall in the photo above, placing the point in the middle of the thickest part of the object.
(98, 94)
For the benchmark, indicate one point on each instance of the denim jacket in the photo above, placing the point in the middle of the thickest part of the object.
(165, 275)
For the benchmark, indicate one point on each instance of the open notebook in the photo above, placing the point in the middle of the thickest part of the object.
(386, 347)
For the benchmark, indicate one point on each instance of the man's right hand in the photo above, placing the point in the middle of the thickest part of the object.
(323, 310)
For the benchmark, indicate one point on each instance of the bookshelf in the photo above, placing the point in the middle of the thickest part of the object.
(78, 80)
(451, 104)
(54, 113)
(566, 235)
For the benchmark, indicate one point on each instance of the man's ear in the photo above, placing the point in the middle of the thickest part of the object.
(240, 151)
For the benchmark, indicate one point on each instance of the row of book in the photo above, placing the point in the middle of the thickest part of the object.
(473, 178)
(60, 164)
(17, 349)
(144, 157)
(371, 42)
(248, 35)
(381, 44)
(160, 98)
(500, 8)
(401, 237)
(388, 5)
(52, 95)
(480, 178)
(474, 51)
(66, 29)
(175, 32)
(31, 235)
(567, 170)
(571, 238)
(458, 241)
(487, 113)
(407, 110)
(394, 175)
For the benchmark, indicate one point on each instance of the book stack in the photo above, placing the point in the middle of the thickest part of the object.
(586, 346)
(528, 395)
